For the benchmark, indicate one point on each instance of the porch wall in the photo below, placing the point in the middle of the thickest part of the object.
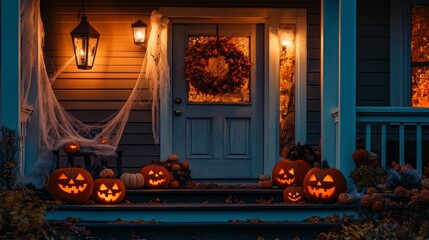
(93, 95)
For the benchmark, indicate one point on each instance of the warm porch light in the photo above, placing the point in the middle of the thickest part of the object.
(85, 42)
(139, 32)
(286, 36)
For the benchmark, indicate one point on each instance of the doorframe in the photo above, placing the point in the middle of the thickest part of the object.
(272, 19)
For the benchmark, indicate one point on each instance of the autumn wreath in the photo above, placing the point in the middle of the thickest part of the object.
(215, 65)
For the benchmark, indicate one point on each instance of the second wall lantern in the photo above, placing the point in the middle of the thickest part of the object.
(139, 32)
(85, 42)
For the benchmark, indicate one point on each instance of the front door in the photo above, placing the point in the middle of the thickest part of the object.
(217, 100)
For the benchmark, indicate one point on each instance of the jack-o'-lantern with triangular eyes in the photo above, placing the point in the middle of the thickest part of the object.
(155, 176)
(73, 185)
(288, 172)
(108, 190)
(324, 184)
(293, 194)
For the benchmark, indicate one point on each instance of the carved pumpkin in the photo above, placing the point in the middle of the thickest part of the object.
(72, 185)
(293, 194)
(155, 176)
(71, 147)
(324, 184)
(288, 172)
(132, 180)
(108, 190)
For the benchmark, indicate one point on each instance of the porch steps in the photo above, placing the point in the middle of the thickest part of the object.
(203, 214)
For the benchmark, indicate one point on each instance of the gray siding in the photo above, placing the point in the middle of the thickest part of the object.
(373, 52)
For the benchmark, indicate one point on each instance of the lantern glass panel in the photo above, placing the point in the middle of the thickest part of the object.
(139, 35)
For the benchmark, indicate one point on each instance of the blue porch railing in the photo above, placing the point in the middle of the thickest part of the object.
(378, 125)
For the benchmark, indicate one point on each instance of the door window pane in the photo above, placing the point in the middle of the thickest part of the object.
(287, 87)
(217, 69)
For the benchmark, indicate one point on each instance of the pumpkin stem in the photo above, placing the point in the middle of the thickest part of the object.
(324, 165)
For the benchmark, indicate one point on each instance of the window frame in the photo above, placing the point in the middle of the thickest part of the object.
(400, 52)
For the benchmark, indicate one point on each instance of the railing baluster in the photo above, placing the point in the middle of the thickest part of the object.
(368, 137)
(401, 144)
(383, 145)
(419, 148)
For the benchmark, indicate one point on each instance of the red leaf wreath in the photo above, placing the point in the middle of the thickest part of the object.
(197, 59)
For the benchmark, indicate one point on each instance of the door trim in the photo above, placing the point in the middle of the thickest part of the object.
(271, 18)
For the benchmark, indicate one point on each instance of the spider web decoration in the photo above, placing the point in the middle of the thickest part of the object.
(56, 125)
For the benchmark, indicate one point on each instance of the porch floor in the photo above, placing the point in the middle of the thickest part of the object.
(206, 213)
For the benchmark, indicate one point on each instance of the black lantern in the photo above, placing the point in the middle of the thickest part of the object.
(139, 32)
(85, 42)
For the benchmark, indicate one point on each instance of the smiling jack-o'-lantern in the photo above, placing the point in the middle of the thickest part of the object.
(288, 172)
(108, 190)
(155, 176)
(324, 184)
(72, 185)
(293, 194)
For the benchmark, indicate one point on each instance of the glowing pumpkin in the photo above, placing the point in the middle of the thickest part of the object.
(71, 147)
(103, 140)
(155, 176)
(324, 184)
(72, 185)
(108, 190)
(288, 172)
(293, 194)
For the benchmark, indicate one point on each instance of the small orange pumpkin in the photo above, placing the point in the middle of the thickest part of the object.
(108, 190)
(103, 140)
(293, 194)
(174, 184)
(106, 173)
(345, 198)
(71, 147)
(155, 176)
(289, 172)
(72, 185)
(324, 184)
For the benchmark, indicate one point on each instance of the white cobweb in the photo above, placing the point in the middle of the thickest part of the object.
(56, 125)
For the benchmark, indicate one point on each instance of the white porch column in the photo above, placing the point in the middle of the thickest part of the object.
(338, 85)
(10, 63)
(329, 78)
(347, 86)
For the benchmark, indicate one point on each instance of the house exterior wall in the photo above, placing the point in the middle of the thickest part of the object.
(373, 53)
(93, 95)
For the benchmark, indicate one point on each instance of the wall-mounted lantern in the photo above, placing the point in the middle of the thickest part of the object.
(85, 42)
(139, 32)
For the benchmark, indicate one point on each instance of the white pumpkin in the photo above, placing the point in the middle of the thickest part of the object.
(132, 180)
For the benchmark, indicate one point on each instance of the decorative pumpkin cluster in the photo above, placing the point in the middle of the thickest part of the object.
(321, 184)
(402, 197)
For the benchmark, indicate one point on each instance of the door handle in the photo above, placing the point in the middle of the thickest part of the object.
(178, 112)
